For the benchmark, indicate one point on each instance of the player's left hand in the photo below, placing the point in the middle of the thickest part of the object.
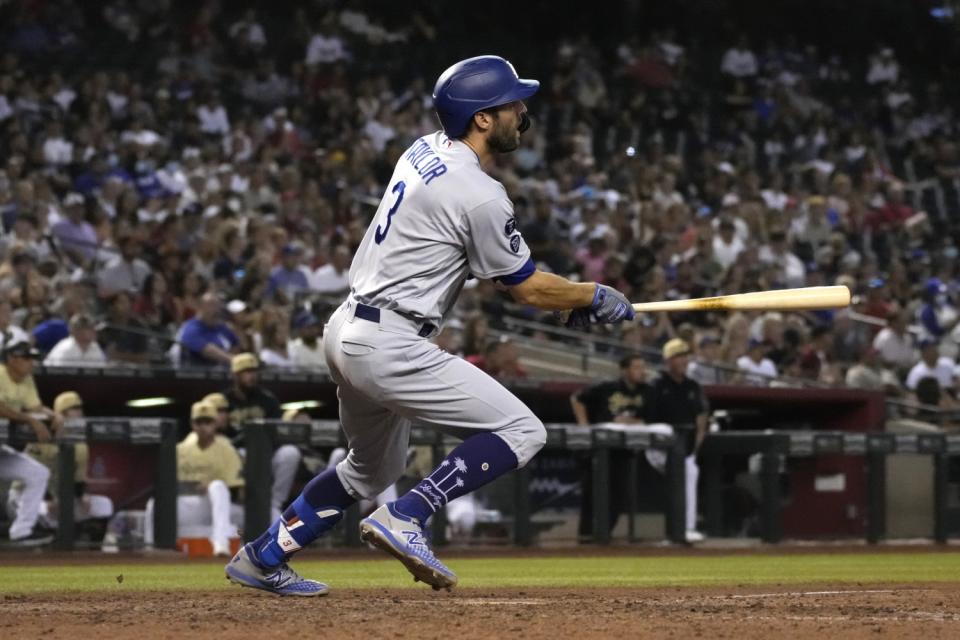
(610, 306)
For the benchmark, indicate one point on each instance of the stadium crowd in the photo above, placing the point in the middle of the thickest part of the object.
(201, 196)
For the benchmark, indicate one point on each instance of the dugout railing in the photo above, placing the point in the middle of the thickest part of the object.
(141, 432)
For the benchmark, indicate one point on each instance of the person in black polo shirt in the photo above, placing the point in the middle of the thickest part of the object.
(678, 401)
(622, 401)
(246, 401)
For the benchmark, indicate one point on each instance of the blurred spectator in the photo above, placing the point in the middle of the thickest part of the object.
(758, 370)
(868, 374)
(220, 403)
(932, 365)
(275, 340)
(154, 305)
(123, 337)
(125, 272)
(937, 315)
(306, 350)
(332, 278)
(739, 61)
(80, 348)
(894, 344)
(501, 360)
(706, 367)
(289, 277)
(476, 333)
(206, 340)
(9, 332)
(77, 237)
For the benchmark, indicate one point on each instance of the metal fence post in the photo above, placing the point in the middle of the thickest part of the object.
(600, 469)
(713, 493)
(66, 468)
(940, 487)
(165, 489)
(257, 476)
(676, 490)
(770, 525)
(522, 531)
(876, 496)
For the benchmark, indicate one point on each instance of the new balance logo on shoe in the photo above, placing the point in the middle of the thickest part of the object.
(414, 537)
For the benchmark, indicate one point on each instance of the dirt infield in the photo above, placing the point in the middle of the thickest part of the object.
(845, 611)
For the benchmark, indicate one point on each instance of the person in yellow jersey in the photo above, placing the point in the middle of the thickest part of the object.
(91, 511)
(210, 478)
(20, 402)
(220, 401)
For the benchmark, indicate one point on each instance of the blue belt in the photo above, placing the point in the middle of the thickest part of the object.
(372, 314)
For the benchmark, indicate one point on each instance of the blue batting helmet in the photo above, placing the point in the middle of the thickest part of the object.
(473, 85)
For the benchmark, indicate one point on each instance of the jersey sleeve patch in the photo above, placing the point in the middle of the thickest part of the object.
(519, 275)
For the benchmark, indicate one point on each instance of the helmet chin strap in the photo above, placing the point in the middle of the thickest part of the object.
(525, 122)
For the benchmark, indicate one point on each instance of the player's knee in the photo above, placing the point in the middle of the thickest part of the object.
(526, 438)
(286, 454)
(217, 487)
(38, 473)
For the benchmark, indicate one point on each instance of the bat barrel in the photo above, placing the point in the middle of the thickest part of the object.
(800, 299)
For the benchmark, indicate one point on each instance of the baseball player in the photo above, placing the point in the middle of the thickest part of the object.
(441, 220)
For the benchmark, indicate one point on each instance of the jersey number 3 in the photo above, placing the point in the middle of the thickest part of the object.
(381, 234)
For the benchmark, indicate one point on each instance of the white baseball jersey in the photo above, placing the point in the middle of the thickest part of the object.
(442, 219)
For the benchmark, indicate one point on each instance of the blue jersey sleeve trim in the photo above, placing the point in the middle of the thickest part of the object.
(519, 275)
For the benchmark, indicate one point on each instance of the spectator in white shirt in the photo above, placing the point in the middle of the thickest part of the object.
(126, 272)
(932, 365)
(326, 48)
(306, 350)
(894, 343)
(275, 340)
(705, 368)
(213, 116)
(9, 332)
(776, 253)
(727, 245)
(884, 68)
(739, 61)
(80, 348)
(56, 148)
(332, 278)
(758, 370)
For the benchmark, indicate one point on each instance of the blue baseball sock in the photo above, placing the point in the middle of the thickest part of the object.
(318, 508)
(475, 462)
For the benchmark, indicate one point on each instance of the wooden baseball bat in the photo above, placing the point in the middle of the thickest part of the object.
(802, 299)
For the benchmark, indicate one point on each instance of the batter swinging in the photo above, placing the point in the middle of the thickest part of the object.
(442, 219)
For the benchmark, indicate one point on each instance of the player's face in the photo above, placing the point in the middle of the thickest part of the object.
(636, 372)
(505, 135)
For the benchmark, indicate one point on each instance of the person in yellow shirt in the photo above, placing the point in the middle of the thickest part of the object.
(90, 510)
(208, 471)
(20, 402)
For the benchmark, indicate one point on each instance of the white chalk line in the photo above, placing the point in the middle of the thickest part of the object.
(792, 594)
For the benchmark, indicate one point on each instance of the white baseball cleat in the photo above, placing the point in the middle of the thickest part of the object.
(244, 570)
(693, 535)
(403, 538)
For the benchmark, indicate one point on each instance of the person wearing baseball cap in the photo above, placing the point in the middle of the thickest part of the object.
(678, 401)
(20, 402)
(306, 350)
(249, 400)
(219, 401)
(756, 368)
(210, 474)
(90, 511)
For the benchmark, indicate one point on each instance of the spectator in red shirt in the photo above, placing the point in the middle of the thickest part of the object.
(894, 212)
(500, 360)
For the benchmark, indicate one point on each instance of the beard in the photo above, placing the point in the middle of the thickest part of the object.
(503, 138)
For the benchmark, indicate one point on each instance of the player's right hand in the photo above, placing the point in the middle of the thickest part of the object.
(610, 306)
(43, 434)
